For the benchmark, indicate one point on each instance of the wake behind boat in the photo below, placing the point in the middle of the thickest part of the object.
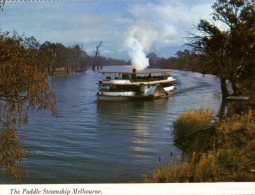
(147, 84)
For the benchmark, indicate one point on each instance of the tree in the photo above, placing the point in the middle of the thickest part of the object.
(23, 86)
(78, 58)
(154, 60)
(66, 58)
(96, 57)
(229, 51)
(49, 56)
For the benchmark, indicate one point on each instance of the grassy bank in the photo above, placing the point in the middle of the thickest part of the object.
(191, 121)
(230, 155)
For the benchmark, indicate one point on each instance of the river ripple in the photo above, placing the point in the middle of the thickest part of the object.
(90, 142)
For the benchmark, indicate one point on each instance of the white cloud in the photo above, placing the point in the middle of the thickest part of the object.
(170, 20)
(165, 22)
(160, 24)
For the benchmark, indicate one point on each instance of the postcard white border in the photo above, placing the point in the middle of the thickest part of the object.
(235, 188)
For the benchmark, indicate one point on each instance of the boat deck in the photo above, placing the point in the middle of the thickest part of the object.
(161, 71)
(136, 81)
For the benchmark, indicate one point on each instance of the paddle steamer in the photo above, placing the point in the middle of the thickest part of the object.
(147, 84)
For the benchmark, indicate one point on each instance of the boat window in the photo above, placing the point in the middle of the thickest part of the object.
(125, 76)
(104, 87)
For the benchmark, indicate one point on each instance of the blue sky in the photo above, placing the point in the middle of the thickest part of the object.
(87, 22)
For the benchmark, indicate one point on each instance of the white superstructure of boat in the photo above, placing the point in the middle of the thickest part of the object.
(135, 85)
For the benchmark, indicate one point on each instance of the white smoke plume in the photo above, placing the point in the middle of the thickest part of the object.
(139, 60)
(139, 41)
(154, 25)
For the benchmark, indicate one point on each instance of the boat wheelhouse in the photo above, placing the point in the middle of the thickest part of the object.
(146, 84)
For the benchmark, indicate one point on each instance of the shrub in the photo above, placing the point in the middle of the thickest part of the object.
(231, 159)
(198, 168)
(192, 121)
(236, 131)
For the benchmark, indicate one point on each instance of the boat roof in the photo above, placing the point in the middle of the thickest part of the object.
(138, 72)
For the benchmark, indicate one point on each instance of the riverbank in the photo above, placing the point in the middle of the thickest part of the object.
(228, 157)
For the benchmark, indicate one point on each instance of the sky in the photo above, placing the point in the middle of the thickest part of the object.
(165, 23)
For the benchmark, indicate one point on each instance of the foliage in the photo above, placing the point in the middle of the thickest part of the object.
(23, 80)
(11, 152)
(187, 60)
(60, 56)
(231, 158)
(23, 85)
(192, 121)
(230, 49)
(199, 168)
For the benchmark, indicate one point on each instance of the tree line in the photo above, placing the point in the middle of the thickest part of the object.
(60, 58)
(74, 59)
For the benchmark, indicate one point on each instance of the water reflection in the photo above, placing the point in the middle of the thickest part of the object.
(140, 120)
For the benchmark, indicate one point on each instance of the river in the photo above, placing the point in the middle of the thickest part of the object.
(107, 142)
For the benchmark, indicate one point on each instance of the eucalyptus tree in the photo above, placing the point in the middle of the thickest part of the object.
(228, 41)
(23, 86)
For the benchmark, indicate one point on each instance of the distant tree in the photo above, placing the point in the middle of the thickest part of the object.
(78, 58)
(84, 59)
(31, 43)
(104, 61)
(97, 54)
(154, 60)
(184, 60)
(23, 86)
(68, 58)
(229, 51)
(184, 57)
(49, 56)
